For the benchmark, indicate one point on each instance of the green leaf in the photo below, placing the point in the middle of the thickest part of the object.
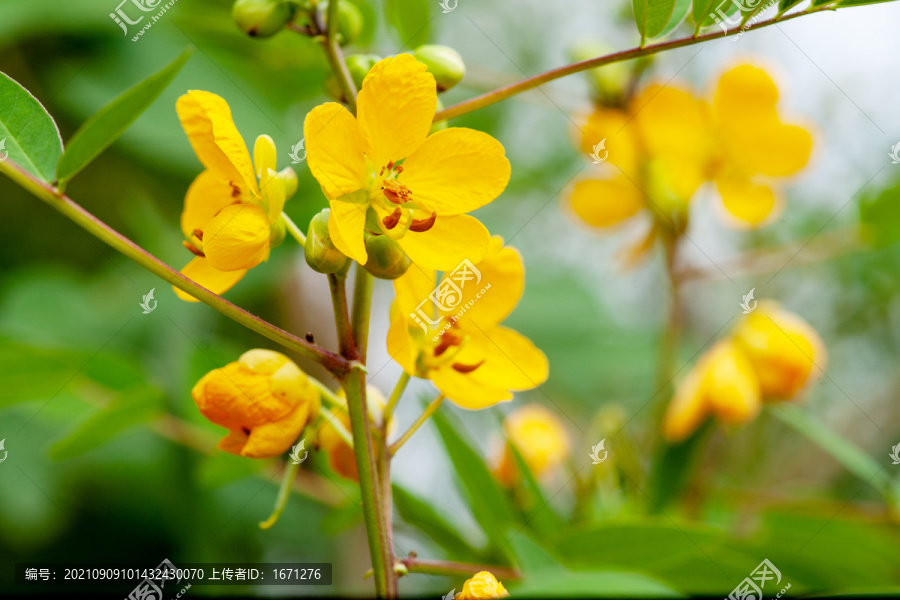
(679, 14)
(851, 456)
(785, 5)
(112, 120)
(652, 16)
(417, 513)
(27, 132)
(486, 499)
(848, 3)
(128, 409)
(706, 12)
(539, 515)
(673, 465)
(411, 20)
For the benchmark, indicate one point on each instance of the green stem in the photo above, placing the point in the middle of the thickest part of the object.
(362, 303)
(284, 492)
(429, 410)
(336, 58)
(329, 396)
(453, 568)
(395, 397)
(338, 365)
(295, 231)
(505, 92)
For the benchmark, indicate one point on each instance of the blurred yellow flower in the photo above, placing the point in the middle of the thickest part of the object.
(452, 334)
(384, 174)
(482, 586)
(667, 142)
(340, 454)
(539, 437)
(263, 398)
(771, 355)
(232, 206)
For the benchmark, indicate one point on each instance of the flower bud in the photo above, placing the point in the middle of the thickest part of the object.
(262, 18)
(277, 233)
(289, 178)
(350, 20)
(386, 259)
(539, 437)
(321, 254)
(482, 586)
(340, 454)
(263, 398)
(359, 66)
(444, 63)
(785, 351)
(609, 82)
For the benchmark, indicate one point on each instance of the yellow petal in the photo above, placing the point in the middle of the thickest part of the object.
(751, 204)
(206, 119)
(465, 391)
(237, 238)
(776, 151)
(456, 171)
(605, 202)
(264, 156)
(334, 150)
(511, 360)
(673, 124)
(413, 287)
(400, 344)
(618, 135)
(539, 436)
(687, 410)
(273, 196)
(218, 282)
(491, 289)
(482, 586)
(207, 195)
(276, 437)
(346, 225)
(450, 241)
(730, 385)
(395, 108)
(745, 97)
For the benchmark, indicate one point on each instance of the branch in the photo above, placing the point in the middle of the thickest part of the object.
(507, 91)
(449, 567)
(87, 221)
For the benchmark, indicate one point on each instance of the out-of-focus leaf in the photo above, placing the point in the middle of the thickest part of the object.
(848, 3)
(851, 456)
(128, 409)
(539, 515)
(673, 465)
(421, 515)
(221, 468)
(784, 5)
(710, 12)
(28, 373)
(652, 16)
(411, 20)
(487, 500)
(112, 120)
(28, 134)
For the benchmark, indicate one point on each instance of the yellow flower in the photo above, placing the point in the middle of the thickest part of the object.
(231, 207)
(263, 398)
(539, 437)
(668, 142)
(722, 383)
(482, 586)
(756, 147)
(420, 202)
(771, 355)
(454, 336)
(340, 454)
(785, 351)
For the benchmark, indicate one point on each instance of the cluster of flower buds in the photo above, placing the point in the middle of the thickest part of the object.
(265, 18)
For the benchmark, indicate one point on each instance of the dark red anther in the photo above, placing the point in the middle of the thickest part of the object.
(392, 219)
(461, 368)
(194, 250)
(421, 225)
(392, 196)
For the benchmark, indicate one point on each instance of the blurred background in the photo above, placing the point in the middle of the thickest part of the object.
(109, 460)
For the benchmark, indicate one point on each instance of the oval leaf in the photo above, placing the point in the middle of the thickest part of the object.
(112, 120)
(652, 16)
(28, 134)
(715, 12)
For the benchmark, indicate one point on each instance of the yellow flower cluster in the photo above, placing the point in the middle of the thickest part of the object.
(482, 586)
(666, 143)
(539, 437)
(771, 355)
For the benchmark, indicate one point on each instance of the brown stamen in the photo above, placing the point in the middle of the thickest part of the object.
(198, 233)
(421, 225)
(392, 219)
(461, 368)
(235, 190)
(392, 196)
(193, 249)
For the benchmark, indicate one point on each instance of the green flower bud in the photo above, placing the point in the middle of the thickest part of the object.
(359, 66)
(386, 259)
(262, 18)
(440, 125)
(277, 233)
(350, 20)
(333, 88)
(444, 63)
(289, 178)
(321, 255)
(608, 83)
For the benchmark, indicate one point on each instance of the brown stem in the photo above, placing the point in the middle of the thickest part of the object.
(449, 567)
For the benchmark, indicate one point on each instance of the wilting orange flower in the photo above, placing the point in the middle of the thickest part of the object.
(482, 586)
(771, 355)
(453, 335)
(384, 174)
(263, 398)
(539, 437)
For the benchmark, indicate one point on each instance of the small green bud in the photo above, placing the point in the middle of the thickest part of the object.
(262, 18)
(333, 88)
(321, 255)
(277, 233)
(289, 178)
(359, 66)
(444, 63)
(609, 82)
(386, 259)
(440, 125)
(350, 20)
